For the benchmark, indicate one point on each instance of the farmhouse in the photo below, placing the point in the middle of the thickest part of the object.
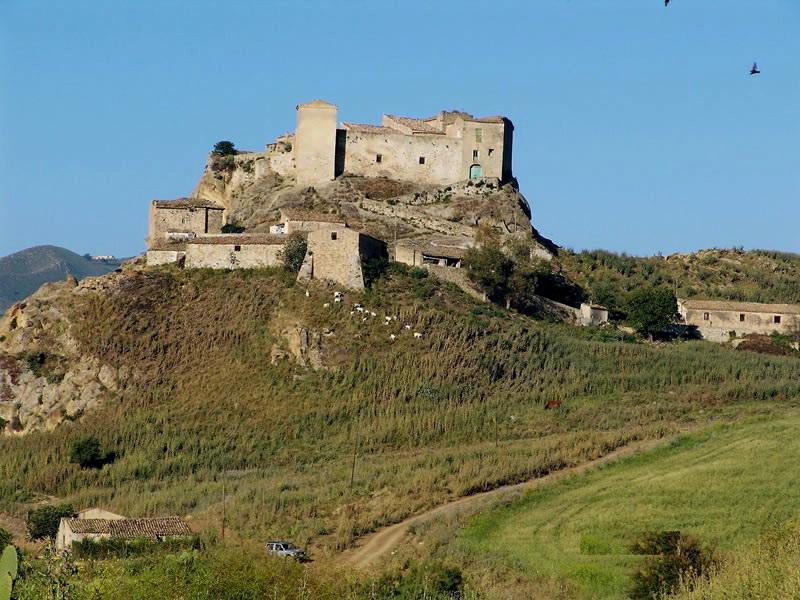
(338, 254)
(439, 251)
(720, 321)
(592, 314)
(159, 528)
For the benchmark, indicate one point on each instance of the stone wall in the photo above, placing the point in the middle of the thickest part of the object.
(232, 256)
(400, 157)
(163, 257)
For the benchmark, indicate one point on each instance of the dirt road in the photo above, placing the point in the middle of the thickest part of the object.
(371, 548)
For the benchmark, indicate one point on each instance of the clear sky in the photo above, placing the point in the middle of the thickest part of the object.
(637, 127)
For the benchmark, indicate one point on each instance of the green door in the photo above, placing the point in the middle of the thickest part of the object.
(475, 172)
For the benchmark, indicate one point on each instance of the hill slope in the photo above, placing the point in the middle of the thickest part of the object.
(23, 272)
(240, 376)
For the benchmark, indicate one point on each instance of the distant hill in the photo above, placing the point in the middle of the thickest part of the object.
(23, 272)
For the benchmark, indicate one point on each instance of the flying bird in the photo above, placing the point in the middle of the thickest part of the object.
(754, 70)
(666, 2)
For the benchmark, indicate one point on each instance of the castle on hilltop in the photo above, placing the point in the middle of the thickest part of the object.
(449, 147)
(465, 157)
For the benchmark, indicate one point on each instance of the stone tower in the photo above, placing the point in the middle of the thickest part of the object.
(315, 142)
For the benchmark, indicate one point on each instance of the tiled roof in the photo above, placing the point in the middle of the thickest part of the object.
(162, 244)
(757, 307)
(365, 128)
(131, 528)
(293, 214)
(415, 125)
(240, 239)
(187, 203)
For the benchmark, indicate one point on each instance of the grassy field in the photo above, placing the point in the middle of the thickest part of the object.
(431, 419)
(724, 485)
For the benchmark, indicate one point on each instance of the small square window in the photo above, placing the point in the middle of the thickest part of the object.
(777, 319)
(422, 160)
(479, 135)
(237, 248)
(475, 154)
(378, 158)
(741, 318)
(491, 151)
(705, 316)
(333, 235)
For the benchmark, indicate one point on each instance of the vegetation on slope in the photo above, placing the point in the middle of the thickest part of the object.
(755, 276)
(458, 411)
(724, 486)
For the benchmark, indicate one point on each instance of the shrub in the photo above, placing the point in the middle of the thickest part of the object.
(86, 452)
(294, 252)
(426, 580)
(489, 268)
(224, 148)
(652, 310)
(35, 361)
(5, 538)
(43, 522)
(232, 228)
(675, 557)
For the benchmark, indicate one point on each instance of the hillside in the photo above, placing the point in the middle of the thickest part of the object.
(240, 377)
(23, 272)
(753, 276)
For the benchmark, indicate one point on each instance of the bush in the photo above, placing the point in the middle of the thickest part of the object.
(652, 310)
(232, 228)
(5, 538)
(224, 148)
(43, 522)
(86, 452)
(427, 580)
(124, 548)
(675, 557)
(294, 252)
(489, 268)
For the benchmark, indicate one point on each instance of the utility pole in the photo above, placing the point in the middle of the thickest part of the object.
(353, 466)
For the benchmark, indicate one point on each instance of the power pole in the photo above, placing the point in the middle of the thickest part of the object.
(353, 466)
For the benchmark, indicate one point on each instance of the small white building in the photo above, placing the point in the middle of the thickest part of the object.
(593, 314)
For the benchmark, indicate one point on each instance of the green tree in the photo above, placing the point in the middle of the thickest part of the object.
(294, 252)
(86, 452)
(43, 522)
(5, 538)
(489, 268)
(651, 310)
(224, 148)
(232, 228)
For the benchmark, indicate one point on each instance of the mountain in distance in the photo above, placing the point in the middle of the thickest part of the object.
(23, 272)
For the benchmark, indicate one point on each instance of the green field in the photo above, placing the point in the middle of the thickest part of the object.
(725, 485)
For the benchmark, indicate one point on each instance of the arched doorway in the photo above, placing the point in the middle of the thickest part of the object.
(475, 172)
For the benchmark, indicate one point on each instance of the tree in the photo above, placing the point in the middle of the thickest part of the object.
(232, 228)
(5, 538)
(489, 268)
(86, 452)
(224, 148)
(43, 522)
(652, 310)
(294, 252)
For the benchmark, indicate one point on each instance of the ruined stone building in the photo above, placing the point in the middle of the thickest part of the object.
(448, 147)
(720, 321)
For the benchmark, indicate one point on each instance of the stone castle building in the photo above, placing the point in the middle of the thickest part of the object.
(449, 147)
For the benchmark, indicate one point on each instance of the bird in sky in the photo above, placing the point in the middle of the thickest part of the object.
(666, 2)
(754, 70)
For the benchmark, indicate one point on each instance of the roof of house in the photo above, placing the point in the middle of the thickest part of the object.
(415, 125)
(187, 203)
(293, 214)
(131, 528)
(240, 239)
(757, 307)
(435, 247)
(166, 245)
(366, 128)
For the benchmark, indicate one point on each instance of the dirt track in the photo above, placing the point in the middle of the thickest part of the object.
(371, 548)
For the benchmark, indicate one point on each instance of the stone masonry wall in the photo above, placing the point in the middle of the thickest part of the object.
(225, 256)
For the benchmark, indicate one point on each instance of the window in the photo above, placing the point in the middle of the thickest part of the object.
(422, 160)
(475, 154)
(237, 248)
(491, 150)
(741, 318)
(705, 316)
(479, 135)
(378, 158)
(776, 319)
(333, 235)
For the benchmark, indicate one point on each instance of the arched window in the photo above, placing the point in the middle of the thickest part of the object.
(475, 172)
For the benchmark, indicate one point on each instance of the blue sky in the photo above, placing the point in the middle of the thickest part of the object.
(637, 128)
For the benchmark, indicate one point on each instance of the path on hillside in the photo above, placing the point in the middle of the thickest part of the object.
(378, 544)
